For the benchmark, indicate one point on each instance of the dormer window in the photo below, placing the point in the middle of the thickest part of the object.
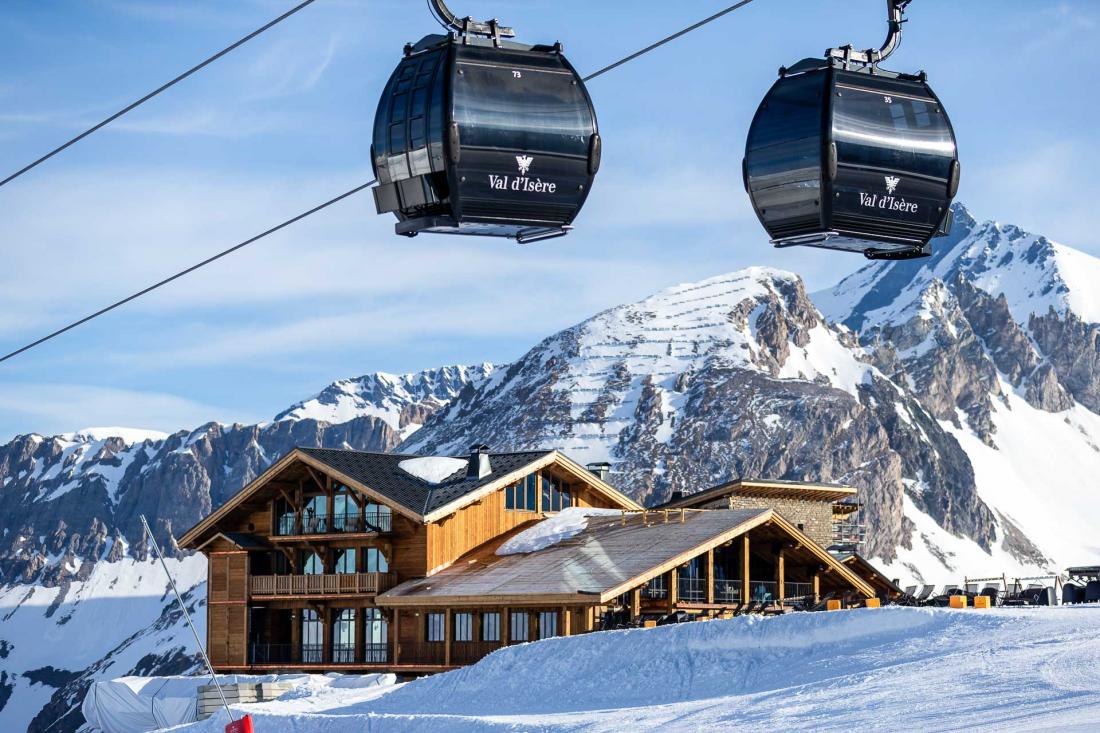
(522, 496)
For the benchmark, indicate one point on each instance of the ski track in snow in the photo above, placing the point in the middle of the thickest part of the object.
(920, 669)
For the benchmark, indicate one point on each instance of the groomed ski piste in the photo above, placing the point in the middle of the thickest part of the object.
(896, 668)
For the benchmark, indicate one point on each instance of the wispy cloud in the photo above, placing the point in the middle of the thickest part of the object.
(50, 409)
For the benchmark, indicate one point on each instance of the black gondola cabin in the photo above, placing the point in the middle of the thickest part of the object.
(857, 160)
(484, 137)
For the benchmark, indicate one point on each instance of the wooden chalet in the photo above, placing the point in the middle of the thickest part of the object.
(339, 560)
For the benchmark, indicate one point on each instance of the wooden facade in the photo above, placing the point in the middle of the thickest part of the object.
(328, 562)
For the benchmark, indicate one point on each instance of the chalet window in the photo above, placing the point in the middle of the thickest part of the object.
(313, 637)
(490, 627)
(464, 627)
(345, 561)
(555, 495)
(523, 495)
(379, 518)
(345, 512)
(548, 624)
(285, 518)
(312, 564)
(316, 515)
(518, 629)
(343, 637)
(436, 627)
(375, 561)
(376, 636)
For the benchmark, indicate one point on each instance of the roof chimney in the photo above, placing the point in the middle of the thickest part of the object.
(479, 466)
(601, 470)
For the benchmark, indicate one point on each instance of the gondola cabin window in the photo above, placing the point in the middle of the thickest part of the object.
(464, 627)
(522, 496)
(490, 627)
(436, 629)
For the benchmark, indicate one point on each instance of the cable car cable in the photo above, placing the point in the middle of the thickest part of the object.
(188, 271)
(321, 207)
(669, 39)
(157, 91)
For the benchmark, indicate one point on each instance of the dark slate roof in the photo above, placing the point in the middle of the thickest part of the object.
(379, 472)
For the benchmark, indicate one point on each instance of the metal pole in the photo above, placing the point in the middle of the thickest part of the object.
(186, 615)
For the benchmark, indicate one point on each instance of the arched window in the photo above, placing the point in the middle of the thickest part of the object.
(313, 564)
(345, 561)
(313, 637)
(343, 637)
(378, 518)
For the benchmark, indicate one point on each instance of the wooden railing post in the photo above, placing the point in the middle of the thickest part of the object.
(745, 564)
(710, 576)
(447, 637)
(673, 589)
(781, 575)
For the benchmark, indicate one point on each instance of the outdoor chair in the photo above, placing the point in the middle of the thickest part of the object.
(925, 594)
(992, 592)
(1092, 591)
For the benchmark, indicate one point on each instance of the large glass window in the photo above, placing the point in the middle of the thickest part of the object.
(280, 565)
(316, 515)
(343, 637)
(345, 561)
(518, 629)
(379, 518)
(376, 636)
(555, 495)
(499, 107)
(312, 564)
(375, 561)
(345, 512)
(285, 518)
(548, 624)
(877, 129)
(490, 626)
(522, 496)
(313, 637)
(436, 627)
(464, 626)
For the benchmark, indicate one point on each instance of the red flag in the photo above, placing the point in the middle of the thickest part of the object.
(244, 725)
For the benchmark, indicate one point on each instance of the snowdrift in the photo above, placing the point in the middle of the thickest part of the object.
(928, 669)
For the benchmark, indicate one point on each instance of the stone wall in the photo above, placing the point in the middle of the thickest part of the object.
(815, 518)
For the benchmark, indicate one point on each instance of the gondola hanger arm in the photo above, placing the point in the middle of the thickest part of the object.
(895, 10)
(467, 26)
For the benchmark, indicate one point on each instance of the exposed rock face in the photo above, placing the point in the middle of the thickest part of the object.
(81, 497)
(735, 376)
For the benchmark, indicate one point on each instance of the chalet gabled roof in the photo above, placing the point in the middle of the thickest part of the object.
(378, 475)
(608, 558)
(381, 472)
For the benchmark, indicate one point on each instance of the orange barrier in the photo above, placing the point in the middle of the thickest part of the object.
(958, 601)
(983, 602)
(832, 605)
(873, 603)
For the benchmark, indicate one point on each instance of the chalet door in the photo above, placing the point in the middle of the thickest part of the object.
(377, 634)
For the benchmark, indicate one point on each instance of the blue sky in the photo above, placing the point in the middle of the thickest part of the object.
(284, 123)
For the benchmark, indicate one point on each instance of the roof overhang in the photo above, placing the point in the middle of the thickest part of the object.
(767, 490)
(553, 458)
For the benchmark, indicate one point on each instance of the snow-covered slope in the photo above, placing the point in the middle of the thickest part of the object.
(881, 669)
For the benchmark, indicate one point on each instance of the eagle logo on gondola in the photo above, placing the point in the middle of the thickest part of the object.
(892, 183)
(525, 162)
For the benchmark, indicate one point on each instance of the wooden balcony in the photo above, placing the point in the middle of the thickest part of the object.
(271, 586)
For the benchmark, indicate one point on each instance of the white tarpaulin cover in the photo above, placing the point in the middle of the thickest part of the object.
(141, 704)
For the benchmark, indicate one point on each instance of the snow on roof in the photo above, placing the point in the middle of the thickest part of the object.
(432, 469)
(549, 532)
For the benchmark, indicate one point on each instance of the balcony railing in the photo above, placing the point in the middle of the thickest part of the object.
(691, 589)
(351, 522)
(727, 591)
(309, 585)
(263, 654)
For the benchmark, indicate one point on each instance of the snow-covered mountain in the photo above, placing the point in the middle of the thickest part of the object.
(960, 394)
(80, 597)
